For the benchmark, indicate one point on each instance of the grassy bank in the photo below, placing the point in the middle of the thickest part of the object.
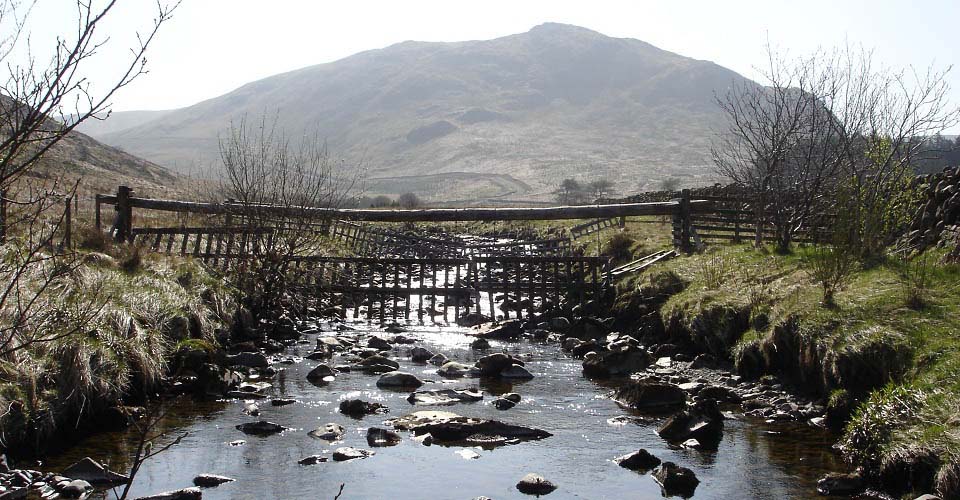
(132, 310)
(885, 357)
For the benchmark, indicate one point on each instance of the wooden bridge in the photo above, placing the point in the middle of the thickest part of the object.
(399, 275)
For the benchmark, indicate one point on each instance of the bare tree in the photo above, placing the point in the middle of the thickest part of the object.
(273, 183)
(829, 132)
(601, 188)
(409, 201)
(43, 97)
(570, 192)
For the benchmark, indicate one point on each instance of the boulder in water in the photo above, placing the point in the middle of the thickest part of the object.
(329, 432)
(676, 480)
(640, 460)
(211, 480)
(358, 408)
(533, 484)
(452, 369)
(377, 437)
(702, 421)
(420, 354)
(399, 380)
(651, 395)
(259, 428)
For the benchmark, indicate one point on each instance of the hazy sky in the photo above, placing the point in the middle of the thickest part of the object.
(213, 46)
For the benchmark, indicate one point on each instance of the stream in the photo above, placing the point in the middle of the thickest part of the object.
(755, 459)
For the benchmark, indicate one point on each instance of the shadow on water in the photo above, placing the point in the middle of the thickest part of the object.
(754, 459)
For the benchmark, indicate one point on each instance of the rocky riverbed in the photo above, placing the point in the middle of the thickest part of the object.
(500, 412)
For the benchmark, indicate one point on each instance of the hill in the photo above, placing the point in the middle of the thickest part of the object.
(504, 118)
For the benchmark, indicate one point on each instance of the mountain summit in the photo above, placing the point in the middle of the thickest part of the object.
(508, 117)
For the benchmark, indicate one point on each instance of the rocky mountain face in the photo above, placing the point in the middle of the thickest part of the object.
(506, 118)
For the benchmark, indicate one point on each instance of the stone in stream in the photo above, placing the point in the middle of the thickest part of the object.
(533, 484)
(183, 494)
(702, 421)
(505, 331)
(312, 460)
(641, 461)
(444, 397)
(492, 365)
(251, 409)
(840, 484)
(348, 453)
(78, 488)
(452, 369)
(318, 355)
(676, 480)
(379, 344)
(321, 374)
(438, 360)
(516, 372)
(472, 319)
(211, 480)
(282, 401)
(378, 437)
(719, 394)
(420, 355)
(650, 395)
(329, 432)
(480, 344)
(398, 380)
(92, 472)
(377, 364)
(395, 328)
(447, 427)
(358, 408)
(248, 359)
(628, 360)
(507, 401)
(260, 428)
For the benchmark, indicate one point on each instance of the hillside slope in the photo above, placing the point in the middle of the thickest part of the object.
(558, 101)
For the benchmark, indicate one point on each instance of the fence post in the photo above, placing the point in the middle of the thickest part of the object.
(3, 216)
(124, 214)
(96, 211)
(67, 218)
(684, 220)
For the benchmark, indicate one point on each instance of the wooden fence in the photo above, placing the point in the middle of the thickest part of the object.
(595, 226)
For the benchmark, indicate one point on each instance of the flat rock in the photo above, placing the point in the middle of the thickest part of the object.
(379, 344)
(282, 402)
(480, 344)
(840, 484)
(349, 453)
(492, 365)
(77, 488)
(259, 428)
(312, 460)
(92, 472)
(444, 397)
(452, 369)
(505, 331)
(377, 360)
(533, 484)
(329, 432)
(211, 480)
(452, 428)
(609, 364)
(184, 494)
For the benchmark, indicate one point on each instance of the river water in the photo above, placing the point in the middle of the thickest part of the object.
(754, 460)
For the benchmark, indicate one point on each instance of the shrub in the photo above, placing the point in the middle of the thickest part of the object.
(916, 275)
(831, 266)
(619, 247)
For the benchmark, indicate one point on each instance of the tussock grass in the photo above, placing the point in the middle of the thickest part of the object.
(121, 351)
